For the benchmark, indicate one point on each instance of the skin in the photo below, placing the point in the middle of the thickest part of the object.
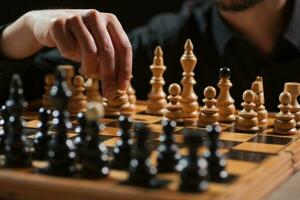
(96, 40)
(260, 21)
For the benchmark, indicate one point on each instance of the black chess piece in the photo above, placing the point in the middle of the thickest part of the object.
(80, 139)
(168, 152)
(42, 137)
(141, 172)
(122, 150)
(216, 162)
(61, 152)
(193, 169)
(224, 72)
(94, 161)
(5, 129)
(15, 150)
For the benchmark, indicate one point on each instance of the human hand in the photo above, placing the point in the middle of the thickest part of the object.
(96, 40)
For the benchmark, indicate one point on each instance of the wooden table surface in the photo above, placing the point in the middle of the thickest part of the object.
(288, 191)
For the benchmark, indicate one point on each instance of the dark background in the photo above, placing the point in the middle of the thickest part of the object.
(131, 13)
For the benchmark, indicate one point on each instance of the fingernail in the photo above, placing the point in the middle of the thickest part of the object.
(110, 94)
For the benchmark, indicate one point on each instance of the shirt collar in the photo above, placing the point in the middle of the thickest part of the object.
(222, 32)
(292, 32)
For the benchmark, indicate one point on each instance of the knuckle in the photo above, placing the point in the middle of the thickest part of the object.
(57, 23)
(111, 17)
(126, 47)
(91, 15)
(108, 50)
(74, 20)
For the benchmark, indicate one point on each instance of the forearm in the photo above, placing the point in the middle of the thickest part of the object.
(18, 40)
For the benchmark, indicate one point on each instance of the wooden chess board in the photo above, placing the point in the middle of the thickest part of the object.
(257, 164)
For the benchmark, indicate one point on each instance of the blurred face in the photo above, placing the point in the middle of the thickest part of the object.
(236, 5)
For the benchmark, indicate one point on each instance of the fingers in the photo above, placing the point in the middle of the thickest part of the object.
(86, 43)
(98, 41)
(96, 24)
(123, 51)
(64, 40)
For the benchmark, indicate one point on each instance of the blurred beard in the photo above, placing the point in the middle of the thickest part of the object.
(236, 5)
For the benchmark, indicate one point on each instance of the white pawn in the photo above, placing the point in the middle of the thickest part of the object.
(285, 122)
(247, 120)
(78, 100)
(131, 97)
(209, 113)
(92, 90)
(174, 108)
(49, 82)
(118, 105)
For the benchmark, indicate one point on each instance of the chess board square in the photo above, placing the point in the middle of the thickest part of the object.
(107, 120)
(113, 123)
(201, 131)
(109, 141)
(227, 144)
(246, 156)
(146, 118)
(259, 147)
(110, 131)
(266, 139)
(238, 167)
(32, 124)
(232, 129)
(238, 137)
(159, 129)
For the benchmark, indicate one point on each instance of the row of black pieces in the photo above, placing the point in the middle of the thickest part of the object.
(194, 170)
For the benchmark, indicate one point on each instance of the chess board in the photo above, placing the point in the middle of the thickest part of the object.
(257, 163)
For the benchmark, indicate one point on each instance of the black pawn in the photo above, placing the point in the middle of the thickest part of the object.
(141, 172)
(61, 154)
(5, 129)
(168, 153)
(193, 169)
(15, 150)
(224, 72)
(216, 162)
(122, 150)
(79, 141)
(42, 137)
(94, 155)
